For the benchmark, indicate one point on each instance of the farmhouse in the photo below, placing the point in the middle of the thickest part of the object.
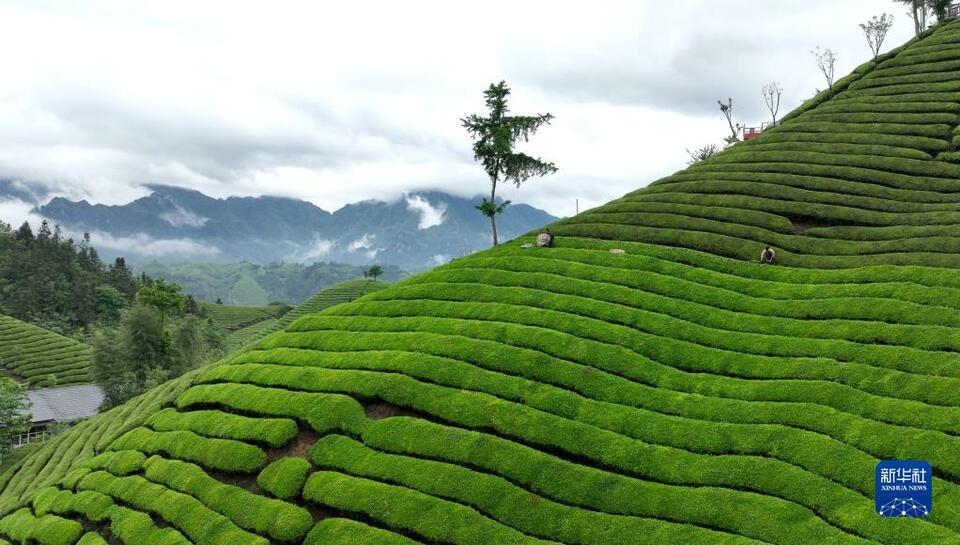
(55, 405)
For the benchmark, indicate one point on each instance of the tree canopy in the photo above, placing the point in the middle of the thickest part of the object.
(494, 138)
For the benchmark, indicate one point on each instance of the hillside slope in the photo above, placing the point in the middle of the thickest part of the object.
(672, 393)
(341, 292)
(30, 354)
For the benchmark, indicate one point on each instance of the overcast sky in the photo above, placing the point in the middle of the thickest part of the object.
(335, 102)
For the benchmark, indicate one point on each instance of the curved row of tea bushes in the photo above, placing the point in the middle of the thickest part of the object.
(33, 354)
(274, 432)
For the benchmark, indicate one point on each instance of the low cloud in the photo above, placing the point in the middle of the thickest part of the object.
(16, 211)
(317, 250)
(144, 245)
(362, 243)
(429, 215)
(181, 217)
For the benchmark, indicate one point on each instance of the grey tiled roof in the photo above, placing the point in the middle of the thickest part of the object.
(66, 403)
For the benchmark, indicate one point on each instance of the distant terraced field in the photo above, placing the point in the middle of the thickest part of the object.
(30, 353)
(233, 317)
(341, 292)
(677, 392)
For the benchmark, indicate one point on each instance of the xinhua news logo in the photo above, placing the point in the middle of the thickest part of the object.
(904, 488)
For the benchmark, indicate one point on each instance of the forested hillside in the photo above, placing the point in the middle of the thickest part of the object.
(644, 380)
(53, 281)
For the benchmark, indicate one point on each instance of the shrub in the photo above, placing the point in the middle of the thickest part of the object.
(91, 538)
(118, 462)
(340, 530)
(400, 507)
(323, 412)
(202, 525)
(284, 477)
(48, 529)
(222, 454)
(277, 519)
(275, 432)
(538, 516)
(135, 527)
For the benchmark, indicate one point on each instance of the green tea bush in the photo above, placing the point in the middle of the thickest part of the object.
(341, 530)
(571, 483)
(535, 515)
(135, 528)
(581, 439)
(284, 477)
(323, 412)
(117, 462)
(222, 454)
(91, 538)
(275, 432)
(48, 529)
(399, 507)
(200, 524)
(276, 519)
(93, 506)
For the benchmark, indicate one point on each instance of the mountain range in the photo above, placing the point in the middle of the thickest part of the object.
(172, 224)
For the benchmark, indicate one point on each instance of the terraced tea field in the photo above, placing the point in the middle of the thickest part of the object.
(30, 354)
(674, 391)
(234, 318)
(341, 292)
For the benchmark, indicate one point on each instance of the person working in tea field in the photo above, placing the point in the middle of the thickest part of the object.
(545, 239)
(767, 255)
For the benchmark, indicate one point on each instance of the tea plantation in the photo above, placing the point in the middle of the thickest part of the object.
(33, 355)
(341, 292)
(234, 317)
(673, 391)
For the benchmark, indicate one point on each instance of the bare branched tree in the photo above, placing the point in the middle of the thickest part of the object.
(922, 11)
(876, 31)
(771, 96)
(727, 111)
(826, 61)
(702, 154)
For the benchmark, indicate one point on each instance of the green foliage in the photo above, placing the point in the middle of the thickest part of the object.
(640, 378)
(374, 272)
(143, 352)
(38, 356)
(200, 524)
(275, 432)
(537, 516)
(44, 530)
(14, 413)
(54, 282)
(166, 298)
(117, 462)
(340, 530)
(426, 515)
(222, 454)
(134, 527)
(494, 139)
(277, 519)
(284, 477)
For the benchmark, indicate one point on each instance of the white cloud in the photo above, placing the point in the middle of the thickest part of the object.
(314, 252)
(440, 259)
(16, 211)
(429, 215)
(364, 242)
(181, 217)
(142, 244)
(122, 94)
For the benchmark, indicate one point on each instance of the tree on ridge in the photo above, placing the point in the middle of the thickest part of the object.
(494, 138)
